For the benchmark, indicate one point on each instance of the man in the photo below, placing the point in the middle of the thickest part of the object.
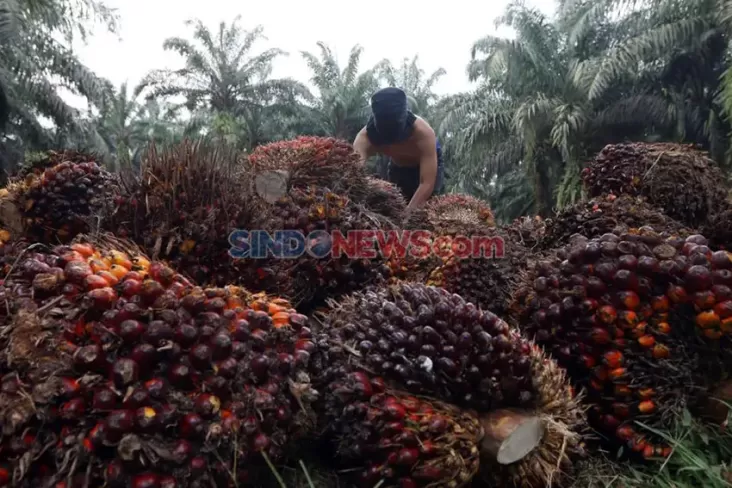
(415, 156)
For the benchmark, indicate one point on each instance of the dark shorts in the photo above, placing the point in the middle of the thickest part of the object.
(407, 178)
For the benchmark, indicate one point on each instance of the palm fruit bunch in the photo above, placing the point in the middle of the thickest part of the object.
(527, 231)
(429, 342)
(639, 319)
(604, 214)
(383, 198)
(310, 160)
(680, 179)
(467, 255)
(117, 371)
(60, 201)
(181, 205)
(459, 208)
(39, 162)
(319, 271)
(330, 163)
(389, 438)
(718, 227)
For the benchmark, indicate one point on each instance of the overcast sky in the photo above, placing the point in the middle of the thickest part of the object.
(441, 35)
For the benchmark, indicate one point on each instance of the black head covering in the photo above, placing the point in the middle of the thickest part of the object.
(390, 120)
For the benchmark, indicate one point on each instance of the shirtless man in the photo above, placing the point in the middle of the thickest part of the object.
(415, 156)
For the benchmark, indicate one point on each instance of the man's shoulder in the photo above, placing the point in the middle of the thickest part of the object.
(423, 131)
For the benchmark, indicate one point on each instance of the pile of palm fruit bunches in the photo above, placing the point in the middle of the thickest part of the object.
(139, 350)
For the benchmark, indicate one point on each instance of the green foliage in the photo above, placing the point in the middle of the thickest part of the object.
(34, 63)
(701, 457)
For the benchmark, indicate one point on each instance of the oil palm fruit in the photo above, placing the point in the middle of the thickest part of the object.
(718, 227)
(311, 160)
(527, 231)
(381, 197)
(61, 201)
(37, 163)
(639, 319)
(459, 208)
(485, 278)
(465, 253)
(680, 179)
(181, 205)
(331, 164)
(434, 343)
(321, 269)
(118, 371)
(426, 341)
(400, 440)
(607, 213)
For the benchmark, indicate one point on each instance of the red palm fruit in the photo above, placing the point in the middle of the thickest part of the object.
(146, 480)
(708, 320)
(453, 434)
(153, 393)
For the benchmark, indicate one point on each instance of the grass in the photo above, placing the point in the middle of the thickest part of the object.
(701, 458)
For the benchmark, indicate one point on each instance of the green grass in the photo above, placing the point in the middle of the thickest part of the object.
(701, 458)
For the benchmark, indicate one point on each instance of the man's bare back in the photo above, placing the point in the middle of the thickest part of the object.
(408, 141)
(409, 153)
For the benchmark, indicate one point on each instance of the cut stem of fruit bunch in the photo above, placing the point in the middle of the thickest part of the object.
(510, 435)
(394, 439)
(640, 320)
(427, 341)
(117, 371)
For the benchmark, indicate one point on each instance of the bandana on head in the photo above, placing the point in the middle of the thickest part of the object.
(391, 121)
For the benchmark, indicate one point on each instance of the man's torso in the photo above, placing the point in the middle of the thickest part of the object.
(405, 153)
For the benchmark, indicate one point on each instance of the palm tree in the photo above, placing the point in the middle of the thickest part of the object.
(342, 103)
(221, 77)
(127, 126)
(411, 78)
(35, 61)
(681, 46)
(537, 107)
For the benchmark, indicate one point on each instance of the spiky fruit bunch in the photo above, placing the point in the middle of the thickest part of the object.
(454, 244)
(181, 205)
(62, 201)
(429, 341)
(312, 160)
(119, 372)
(487, 275)
(38, 163)
(383, 198)
(394, 439)
(637, 319)
(445, 209)
(527, 231)
(326, 267)
(718, 227)
(604, 214)
(680, 179)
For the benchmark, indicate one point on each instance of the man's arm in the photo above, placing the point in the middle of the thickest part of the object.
(363, 146)
(427, 170)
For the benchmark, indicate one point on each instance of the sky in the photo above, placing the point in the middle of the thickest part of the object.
(441, 34)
